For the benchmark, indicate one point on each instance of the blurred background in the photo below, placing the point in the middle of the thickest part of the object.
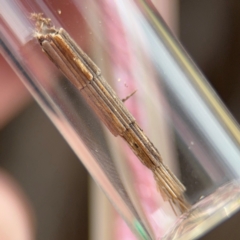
(41, 179)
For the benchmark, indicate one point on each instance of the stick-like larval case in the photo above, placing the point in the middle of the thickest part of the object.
(83, 73)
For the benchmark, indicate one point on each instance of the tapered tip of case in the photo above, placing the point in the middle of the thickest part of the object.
(171, 189)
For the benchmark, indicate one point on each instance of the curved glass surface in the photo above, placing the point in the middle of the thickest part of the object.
(178, 110)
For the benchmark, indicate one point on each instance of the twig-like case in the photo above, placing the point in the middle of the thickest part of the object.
(86, 77)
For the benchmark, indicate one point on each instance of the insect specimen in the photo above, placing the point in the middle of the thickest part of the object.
(83, 73)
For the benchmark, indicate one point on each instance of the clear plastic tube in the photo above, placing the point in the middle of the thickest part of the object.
(197, 137)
